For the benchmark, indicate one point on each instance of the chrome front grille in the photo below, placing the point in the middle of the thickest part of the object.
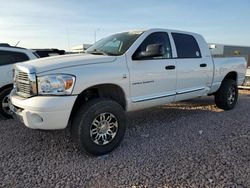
(25, 83)
(23, 76)
(24, 88)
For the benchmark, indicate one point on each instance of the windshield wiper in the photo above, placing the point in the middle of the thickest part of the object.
(99, 52)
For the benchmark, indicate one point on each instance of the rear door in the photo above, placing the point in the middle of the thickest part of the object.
(192, 70)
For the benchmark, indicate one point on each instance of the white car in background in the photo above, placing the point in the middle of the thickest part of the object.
(8, 56)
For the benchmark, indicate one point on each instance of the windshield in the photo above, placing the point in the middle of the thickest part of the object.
(116, 44)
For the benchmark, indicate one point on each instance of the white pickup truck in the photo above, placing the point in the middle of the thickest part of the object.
(123, 72)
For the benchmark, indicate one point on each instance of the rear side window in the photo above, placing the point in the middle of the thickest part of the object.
(9, 57)
(186, 46)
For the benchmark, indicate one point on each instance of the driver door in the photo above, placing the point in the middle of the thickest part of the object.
(152, 79)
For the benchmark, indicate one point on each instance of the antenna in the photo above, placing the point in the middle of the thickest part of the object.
(68, 39)
(17, 43)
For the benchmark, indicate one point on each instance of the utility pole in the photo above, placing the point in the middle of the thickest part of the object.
(95, 33)
(68, 39)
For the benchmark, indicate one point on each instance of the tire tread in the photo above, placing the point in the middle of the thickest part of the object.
(221, 95)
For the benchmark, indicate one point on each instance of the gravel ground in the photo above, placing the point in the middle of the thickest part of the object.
(189, 144)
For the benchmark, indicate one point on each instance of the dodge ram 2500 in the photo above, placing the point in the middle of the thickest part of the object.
(123, 72)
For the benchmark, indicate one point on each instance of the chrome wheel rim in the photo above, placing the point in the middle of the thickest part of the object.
(5, 104)
(231, 95)
(104, 128)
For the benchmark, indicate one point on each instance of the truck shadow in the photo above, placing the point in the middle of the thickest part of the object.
(1, 118)
(174, 111)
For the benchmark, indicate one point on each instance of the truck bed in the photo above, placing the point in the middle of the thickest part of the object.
(224, 65)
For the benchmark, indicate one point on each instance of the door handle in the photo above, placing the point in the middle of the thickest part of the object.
(203, 65)
(170, 67)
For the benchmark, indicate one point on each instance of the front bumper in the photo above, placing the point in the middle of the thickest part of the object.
(42, 112)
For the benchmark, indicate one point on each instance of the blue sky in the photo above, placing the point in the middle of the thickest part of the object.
(63, 24)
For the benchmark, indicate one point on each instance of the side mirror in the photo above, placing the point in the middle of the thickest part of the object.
(152, 50)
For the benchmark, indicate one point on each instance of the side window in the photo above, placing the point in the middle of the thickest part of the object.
(186, 46)
(9, 57)
(158, 38)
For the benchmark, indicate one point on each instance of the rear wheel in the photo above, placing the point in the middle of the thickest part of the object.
(226, 97)
(4, 103)
(99, 126)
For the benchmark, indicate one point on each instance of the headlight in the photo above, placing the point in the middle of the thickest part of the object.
(58, 84)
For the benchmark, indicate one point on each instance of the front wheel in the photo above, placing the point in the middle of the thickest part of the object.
(99, 126)
(4, 103)
(226, 97)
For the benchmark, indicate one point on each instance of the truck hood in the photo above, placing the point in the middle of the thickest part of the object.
(64, 61)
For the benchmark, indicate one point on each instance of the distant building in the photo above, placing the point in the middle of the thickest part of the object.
(80, 48)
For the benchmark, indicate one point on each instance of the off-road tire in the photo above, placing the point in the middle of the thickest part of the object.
(83, 120)
(224, 98)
